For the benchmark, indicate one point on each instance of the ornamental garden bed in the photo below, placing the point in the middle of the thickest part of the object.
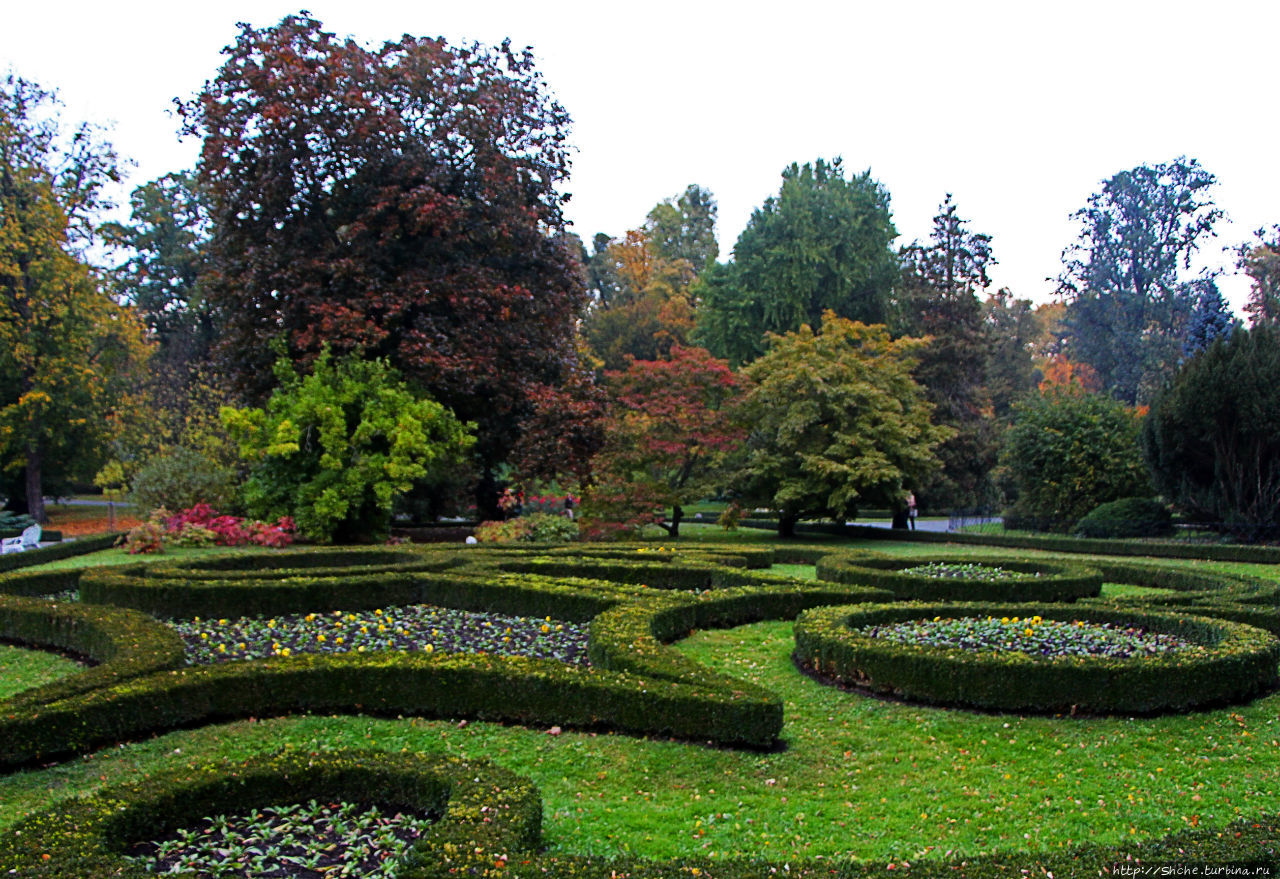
(964, 579)
(1011, 657)
(652, 802)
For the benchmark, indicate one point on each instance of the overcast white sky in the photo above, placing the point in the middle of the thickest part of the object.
(1018, 108)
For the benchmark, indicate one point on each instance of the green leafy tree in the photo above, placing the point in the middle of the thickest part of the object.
(1067, 452)
(1212, 438)
(823, 243)
(164, 246)
(835, 421)
(333, 449)
(400, 201)
(1128, 300)
(670, 426)
(1014, 329)
(684, 228)
(1260, 260)
(937, 297)
(66, 348)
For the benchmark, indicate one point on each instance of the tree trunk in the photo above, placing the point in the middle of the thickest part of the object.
(787, 525)
(900, 522)
(677, 514)
(487, 509)
(35, 484)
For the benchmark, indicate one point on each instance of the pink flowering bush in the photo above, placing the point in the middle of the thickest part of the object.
(202, 525)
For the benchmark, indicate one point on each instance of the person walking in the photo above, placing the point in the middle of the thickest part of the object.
(911, 510)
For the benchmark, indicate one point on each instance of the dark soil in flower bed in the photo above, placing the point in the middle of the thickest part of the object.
(417, 627)
(297, 841)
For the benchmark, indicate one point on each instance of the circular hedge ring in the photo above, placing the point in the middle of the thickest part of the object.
(1226, 662)
(479, 807)
(991, 579)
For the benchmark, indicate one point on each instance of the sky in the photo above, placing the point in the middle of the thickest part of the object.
(1019, 109)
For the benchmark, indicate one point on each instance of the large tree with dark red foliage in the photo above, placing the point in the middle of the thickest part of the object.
(398, 201)
(671, 422)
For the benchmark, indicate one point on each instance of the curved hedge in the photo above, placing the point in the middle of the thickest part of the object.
(125, 643)
(479, 807)
(1239, 662)
(489, 825)
(1044, 581)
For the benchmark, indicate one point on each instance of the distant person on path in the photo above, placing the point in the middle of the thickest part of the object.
(911, 510)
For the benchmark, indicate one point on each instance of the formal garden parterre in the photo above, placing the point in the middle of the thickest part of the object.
(639, 681)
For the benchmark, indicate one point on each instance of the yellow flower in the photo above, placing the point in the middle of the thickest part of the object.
(429, 648)
(285, 652)
(1004, 619)
(1028, 631)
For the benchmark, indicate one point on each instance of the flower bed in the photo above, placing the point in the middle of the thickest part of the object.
(1224, 662)
(480, 804)
(1034, 636)
(414, 627)
(959, 579)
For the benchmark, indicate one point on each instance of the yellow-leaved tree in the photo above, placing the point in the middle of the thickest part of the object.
(65, 343)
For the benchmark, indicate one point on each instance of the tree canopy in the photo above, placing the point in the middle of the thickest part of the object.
(1212, 438)
(399, 201)
(822, 244)
(671, 423)
(937, 297)
(835, 422)
(64, 343)
(1124, 279)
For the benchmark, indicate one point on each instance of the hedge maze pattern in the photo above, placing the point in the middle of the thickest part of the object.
(638, 601)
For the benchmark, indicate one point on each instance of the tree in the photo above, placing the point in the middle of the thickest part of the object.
(1068, 451)
(1013, 331)
(400, 202)
(64, 343)
(684, 228)
(823, 243)
(937, 297)
(650, 310)
(164, 245)
(1212, 438)
(1210, 319)
(1260, 260)
(333, 449)
(670, 425)
(1128, 303)
(835, 422)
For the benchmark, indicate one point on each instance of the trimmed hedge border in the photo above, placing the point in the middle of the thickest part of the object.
(490, 826)
(1264, 555)
(125, 643)
(1061, 583)
(1240, 664)
(481, 808)
(65, 550)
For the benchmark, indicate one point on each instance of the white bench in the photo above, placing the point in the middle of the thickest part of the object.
(29, 539)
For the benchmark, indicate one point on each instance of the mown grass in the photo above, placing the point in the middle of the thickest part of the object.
(21, 669)
(858, 777)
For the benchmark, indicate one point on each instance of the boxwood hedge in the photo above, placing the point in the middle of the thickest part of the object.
(479, 807)
(1237, 663)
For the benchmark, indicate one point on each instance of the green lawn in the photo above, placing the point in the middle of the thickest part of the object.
(858, 776)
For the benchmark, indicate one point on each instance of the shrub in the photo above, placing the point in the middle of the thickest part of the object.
(333, 449)
(533, 528)
(181, 479)
(1127, 517)
(203, 526)
(1069, 451)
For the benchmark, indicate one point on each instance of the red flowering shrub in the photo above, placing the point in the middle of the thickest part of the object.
(201, 525)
